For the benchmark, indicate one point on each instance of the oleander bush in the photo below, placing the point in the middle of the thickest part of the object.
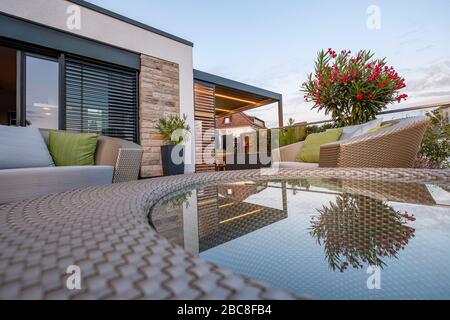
(353, 90)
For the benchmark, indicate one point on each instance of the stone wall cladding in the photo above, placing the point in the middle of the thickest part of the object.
(159, 94)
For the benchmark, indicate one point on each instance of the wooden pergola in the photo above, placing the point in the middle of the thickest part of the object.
(216, 96)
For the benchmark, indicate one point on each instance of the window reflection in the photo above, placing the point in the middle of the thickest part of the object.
(42, 91)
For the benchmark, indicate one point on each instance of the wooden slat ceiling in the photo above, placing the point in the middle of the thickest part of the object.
(229, 101)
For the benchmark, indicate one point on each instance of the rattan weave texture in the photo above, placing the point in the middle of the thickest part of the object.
(394, 147)
(105, 231)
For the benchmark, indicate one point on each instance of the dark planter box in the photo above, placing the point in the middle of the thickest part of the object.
(169, 167)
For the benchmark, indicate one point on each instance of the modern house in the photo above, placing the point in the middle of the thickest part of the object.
(72, 65)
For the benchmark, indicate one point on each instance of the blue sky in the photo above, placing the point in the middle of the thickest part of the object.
(272, 44)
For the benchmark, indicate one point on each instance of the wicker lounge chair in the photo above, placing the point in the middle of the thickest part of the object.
(392, 147)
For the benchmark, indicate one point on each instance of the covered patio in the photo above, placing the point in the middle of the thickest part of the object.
(221, 99)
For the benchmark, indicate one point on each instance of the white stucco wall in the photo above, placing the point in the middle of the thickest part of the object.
(112, 31)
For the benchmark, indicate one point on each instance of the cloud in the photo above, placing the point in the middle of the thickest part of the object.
(434, 94)
(425, 48)
(431, 82)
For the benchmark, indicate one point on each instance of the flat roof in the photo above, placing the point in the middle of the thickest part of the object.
(130, 21)
(208, 77)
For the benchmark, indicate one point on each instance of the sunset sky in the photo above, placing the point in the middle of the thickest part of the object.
(272, 44)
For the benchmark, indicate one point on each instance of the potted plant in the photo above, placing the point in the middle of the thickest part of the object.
(353, 90)
(175, 132)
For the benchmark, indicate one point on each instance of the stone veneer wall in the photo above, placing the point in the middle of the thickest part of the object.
(159, 94)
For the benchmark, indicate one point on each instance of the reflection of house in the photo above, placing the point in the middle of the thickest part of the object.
(221, 215)
(236, 219)
(241, 190)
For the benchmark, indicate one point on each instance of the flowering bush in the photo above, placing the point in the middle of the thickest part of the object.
(352, 89)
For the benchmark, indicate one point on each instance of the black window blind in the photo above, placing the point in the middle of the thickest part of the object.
(101, 99)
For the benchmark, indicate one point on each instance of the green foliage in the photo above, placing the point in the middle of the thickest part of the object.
(352, 90)
(291, 135)
(435, 148)
(174, 128)
(316, 129)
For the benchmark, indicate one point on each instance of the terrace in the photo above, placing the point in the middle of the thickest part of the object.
(112, 163)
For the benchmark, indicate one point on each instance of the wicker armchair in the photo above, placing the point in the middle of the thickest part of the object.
(392, 147)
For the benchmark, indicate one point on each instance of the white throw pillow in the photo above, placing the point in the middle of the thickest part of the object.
(23, 147)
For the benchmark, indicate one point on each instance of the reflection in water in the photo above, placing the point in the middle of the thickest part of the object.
(357, 229)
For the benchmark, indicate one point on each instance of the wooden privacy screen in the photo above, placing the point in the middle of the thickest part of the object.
(204, 127)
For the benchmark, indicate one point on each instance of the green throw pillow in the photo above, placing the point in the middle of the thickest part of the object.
(72, 149)
(311, 148)
(387, 125)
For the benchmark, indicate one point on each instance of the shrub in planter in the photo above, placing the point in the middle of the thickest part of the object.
(352, 90)
(175, 132)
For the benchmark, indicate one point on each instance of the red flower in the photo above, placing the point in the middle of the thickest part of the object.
(383, 84)
(359, 96)
(402, 96)
(401, 84)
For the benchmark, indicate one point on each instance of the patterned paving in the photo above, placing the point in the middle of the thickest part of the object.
(105, 231)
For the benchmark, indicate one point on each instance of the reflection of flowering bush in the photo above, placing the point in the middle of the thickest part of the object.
(352, 89)
(358, 229)
(297, 184)
(178, 200)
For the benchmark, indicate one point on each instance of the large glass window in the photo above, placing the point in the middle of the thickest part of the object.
(95, 97)
(42, 92)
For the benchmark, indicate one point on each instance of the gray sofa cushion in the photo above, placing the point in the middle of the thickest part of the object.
(23, 148)
(21, 184)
